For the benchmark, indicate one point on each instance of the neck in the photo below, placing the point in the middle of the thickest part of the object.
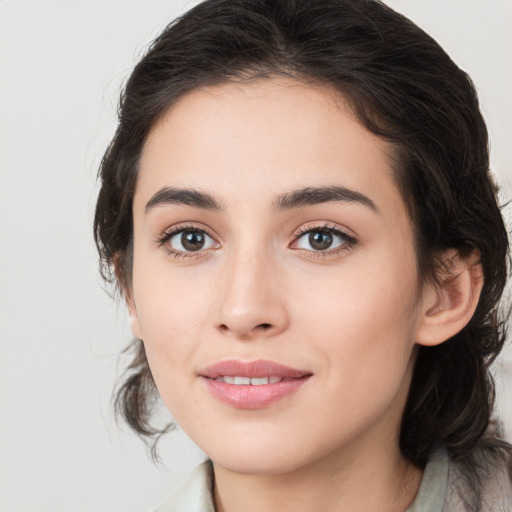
(371, 481)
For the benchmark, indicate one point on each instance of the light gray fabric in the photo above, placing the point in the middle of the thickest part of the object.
(443, 489)
(432, 493)
(496, 495)
(195, 495)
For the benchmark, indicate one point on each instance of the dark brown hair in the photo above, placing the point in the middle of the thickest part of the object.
(403, 87)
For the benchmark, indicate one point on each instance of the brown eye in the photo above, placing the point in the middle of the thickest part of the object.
(320, 240)
(323, 239)
(190, 240)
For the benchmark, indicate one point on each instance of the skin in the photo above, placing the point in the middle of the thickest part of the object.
(351, 315)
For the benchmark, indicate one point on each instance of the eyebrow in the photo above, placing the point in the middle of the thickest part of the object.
(295, 199)
(183, 196)
(316, 195)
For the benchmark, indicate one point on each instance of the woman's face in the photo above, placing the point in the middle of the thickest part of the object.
(271, 244)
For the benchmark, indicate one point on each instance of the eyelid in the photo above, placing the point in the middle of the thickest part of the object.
(337, 230)
(178, 228)
(349, 239)
(172, 231)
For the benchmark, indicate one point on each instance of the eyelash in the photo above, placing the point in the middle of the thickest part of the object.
(348, 241)
(175, 230)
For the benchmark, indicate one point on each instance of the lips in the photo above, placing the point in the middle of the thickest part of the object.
(252, 385)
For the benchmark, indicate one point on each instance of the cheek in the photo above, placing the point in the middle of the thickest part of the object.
(365, 290)
(171, 309)
(366, 316)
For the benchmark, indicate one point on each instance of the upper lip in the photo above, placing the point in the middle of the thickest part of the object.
(259, 368)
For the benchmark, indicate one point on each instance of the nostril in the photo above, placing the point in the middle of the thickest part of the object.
(244, 331)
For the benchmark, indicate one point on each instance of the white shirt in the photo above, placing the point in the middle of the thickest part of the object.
(441, 490)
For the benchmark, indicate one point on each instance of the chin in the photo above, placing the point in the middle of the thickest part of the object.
(267, 457)
(257, 465)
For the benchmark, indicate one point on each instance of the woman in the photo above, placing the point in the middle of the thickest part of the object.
(298, 211)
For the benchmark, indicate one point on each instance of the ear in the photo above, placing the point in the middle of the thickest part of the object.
(127, 293)
(134, 317)
(449, 304)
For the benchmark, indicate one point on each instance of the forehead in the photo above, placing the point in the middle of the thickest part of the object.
(250, 139)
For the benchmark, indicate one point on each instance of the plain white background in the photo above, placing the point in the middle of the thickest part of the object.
(61, 68)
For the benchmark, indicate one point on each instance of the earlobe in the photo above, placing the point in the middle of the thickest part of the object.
(127, 294)
(134, 317)
(449, 304)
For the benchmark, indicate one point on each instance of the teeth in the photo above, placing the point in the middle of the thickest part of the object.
(246, 381)
(258, 381)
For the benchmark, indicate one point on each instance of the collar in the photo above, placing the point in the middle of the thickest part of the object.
(196, 494)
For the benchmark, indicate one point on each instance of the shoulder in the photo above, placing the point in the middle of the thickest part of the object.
(195, 495)
(481, 482)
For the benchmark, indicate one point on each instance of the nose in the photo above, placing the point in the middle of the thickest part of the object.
(252, 302)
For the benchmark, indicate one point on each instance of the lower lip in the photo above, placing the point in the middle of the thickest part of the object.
(254, 397)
